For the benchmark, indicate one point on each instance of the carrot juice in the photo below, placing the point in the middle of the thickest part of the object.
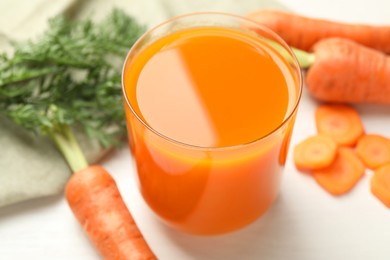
(210, 111)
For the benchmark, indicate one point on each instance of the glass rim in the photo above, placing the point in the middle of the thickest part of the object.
(211, 148)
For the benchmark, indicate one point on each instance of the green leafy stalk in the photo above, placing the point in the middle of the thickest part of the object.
(67, 144)
(70, 76)
(305, 59)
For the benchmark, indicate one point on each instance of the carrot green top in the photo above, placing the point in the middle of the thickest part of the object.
(68, 77)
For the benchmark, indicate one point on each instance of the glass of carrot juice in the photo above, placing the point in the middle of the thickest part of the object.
(210, 106)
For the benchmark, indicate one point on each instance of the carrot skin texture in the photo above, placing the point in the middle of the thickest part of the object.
(95, 200)
(347, 72)
(303, 32)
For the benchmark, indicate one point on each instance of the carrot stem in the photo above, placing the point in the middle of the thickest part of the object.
(69, 147)
(305, 59)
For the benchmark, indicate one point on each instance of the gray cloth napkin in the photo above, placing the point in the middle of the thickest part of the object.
(30, 165)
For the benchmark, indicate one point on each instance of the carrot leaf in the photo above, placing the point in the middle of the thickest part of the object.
(70, 76)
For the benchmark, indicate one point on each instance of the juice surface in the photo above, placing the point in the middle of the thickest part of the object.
(209, 87)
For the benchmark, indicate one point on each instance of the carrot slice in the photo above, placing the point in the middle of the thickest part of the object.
(314, 153)
(374, 150)
(380, 184)
(342, 175)
(340, 122)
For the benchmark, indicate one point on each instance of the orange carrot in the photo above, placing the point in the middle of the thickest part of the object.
(373, 150)
(340, 69)
(96, 202)
(344, 71)
(340, 122)
(342, 175)
(314, 153)
(303, 32)
(380, 184)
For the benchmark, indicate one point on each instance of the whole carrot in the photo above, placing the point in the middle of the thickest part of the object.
(303, 32)
(97, 204)
(40, 92)
(95, 200)
(345, 71)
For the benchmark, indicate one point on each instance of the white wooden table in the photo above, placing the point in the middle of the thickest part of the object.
(305, 222)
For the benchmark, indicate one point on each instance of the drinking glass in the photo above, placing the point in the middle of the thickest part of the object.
(210, 190)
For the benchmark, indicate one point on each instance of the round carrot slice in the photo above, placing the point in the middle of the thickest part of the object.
(380, 184)
(315, 152)
(374, 150)
(340, 122)
(342, 175)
